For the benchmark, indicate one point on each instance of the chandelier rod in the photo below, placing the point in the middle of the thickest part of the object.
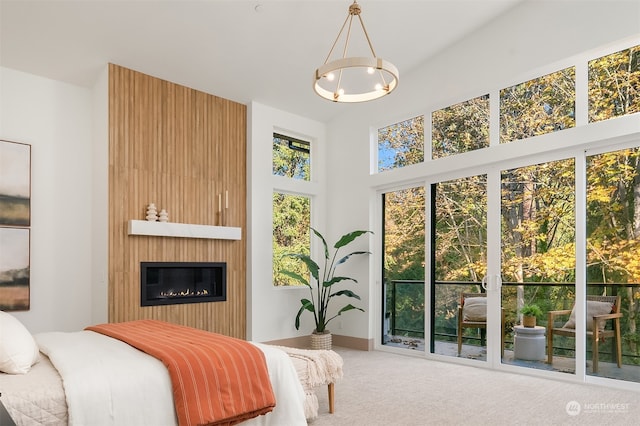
(366, 34)
(337, 38)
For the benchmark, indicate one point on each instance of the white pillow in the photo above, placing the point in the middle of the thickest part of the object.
(594, 308)
(18, 349)
(475, 309)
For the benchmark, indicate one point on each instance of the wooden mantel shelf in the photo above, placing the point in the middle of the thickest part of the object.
(183, 230)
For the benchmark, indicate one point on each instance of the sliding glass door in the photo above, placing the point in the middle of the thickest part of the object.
(403, 272)
(538, 258)
(612, 293)
(459, 265)
(557, 237)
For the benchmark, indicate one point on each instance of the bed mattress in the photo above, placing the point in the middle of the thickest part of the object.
(47, 393)
(36, 398)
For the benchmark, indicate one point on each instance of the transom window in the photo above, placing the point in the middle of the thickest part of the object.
(291, 157)
(543, 105)
(461, 127)
(401, 144)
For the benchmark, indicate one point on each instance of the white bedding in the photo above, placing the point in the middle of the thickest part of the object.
(108, 382)
(36, 397)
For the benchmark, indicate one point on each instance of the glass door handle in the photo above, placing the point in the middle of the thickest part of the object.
(491, 285)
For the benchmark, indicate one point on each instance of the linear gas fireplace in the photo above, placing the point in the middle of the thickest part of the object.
(171, 283)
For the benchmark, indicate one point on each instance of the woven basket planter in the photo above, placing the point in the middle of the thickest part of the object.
(321, 341)
(528, 321)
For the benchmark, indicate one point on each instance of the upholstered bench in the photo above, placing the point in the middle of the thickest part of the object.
(315, 368)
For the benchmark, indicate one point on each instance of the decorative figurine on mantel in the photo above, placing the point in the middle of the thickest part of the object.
(164, 216)
(152, 213)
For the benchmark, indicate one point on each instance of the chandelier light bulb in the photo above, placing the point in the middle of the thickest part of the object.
(370, 70)
(331, 76)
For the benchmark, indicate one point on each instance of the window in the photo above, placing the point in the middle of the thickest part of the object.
(291, 157)
(461, 127)
(613, 248)
(401, 144)
(539, 106)
(614, 85)
(291, 221)
(522, 222)
(404, 244)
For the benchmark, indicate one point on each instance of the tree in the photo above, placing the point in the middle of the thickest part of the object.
(538, 106)
(291, 213)
(401, 144)
(460, 128)
(614, 85)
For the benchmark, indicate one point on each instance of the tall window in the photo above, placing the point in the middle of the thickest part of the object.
(291, 221)
(539, 106)
(461, 127)
(401, 144)
(291, 212)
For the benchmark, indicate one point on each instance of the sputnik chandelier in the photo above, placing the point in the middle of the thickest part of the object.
(354, 79)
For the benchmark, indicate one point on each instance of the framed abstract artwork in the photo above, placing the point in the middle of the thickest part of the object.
(14, 269)
(15, 184)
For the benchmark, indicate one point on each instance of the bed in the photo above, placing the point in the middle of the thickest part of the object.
(88, 377)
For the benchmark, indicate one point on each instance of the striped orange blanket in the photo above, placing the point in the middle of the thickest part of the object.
(216, 379)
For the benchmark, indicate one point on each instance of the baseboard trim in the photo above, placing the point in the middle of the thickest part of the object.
(304, 342)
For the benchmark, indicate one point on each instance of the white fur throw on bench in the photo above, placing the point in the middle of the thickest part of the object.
(315, 368)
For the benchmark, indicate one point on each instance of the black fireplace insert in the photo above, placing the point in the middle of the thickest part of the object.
(170, 283)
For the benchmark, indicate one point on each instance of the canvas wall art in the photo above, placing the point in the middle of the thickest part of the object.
(14, 269)
(15, 184)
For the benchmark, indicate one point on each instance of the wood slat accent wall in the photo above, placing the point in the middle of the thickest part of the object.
(178, 148)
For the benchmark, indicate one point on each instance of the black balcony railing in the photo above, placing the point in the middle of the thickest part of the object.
(405, 302)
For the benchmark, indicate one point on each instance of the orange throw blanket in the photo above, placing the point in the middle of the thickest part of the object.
(217, 380)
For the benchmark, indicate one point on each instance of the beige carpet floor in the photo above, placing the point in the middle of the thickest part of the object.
(381, 388)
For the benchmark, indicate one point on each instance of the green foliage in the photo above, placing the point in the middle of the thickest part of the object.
(404, 248)
(401, 144)
(461, 223)
(291, 220)
(538, 222)
(531, 310)
(614, 85)
(404, 234)
(291, 158)
(460, 128)
(539, 106)
(323, 279)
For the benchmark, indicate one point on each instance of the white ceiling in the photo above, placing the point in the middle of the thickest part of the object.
(261, 50)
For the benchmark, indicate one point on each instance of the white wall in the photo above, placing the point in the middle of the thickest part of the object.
(55, 119)
(517, 46)
(271, 310)
(100, 201)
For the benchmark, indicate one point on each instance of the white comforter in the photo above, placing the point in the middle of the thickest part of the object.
(108, 382)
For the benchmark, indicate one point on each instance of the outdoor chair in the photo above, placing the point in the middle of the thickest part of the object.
(472, 313)
(600, 311)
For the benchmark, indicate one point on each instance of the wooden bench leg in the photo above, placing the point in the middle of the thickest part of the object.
(331, 396)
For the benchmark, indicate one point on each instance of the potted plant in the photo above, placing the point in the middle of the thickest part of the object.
(322, 285)
(529, 314)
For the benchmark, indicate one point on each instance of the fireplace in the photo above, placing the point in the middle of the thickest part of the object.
(171, 283)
